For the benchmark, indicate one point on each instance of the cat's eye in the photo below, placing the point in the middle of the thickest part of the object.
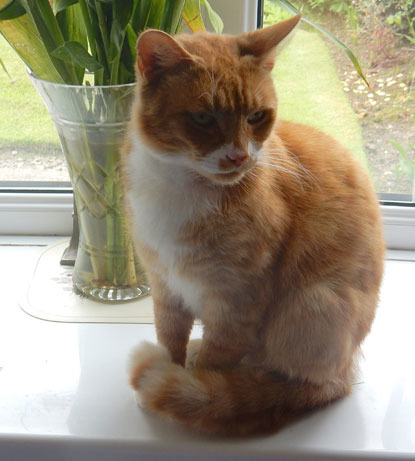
(255, 117)
(203, 118)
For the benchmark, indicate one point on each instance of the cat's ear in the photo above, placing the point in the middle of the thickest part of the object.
(262, 43)
(157, 52)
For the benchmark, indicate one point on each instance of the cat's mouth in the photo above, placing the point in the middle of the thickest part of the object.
(227, 176)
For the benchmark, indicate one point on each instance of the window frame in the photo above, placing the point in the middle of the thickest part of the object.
(48, 211)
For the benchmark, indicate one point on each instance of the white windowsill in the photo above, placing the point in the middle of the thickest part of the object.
(36, 213)
(51, 214)
(64, 391)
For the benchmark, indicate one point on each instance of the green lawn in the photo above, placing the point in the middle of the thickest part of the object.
(24, 118)
(310, 91)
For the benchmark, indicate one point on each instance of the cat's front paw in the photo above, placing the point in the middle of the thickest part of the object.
(153, 376)
(145, 357)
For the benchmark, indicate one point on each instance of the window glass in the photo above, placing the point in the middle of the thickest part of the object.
(316, 81)
(318, 84)
(29, 146)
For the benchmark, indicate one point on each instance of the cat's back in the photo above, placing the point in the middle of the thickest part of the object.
(330, 163)
(328, 171)
(335, 215)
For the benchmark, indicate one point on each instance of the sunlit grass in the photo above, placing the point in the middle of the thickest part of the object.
(310, 91)
(24, 118)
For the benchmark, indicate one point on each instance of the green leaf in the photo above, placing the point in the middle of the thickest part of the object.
(120, 18)
(85, 22)
(172, 16)
(103, 31)
(96, 44)
(399, 148)
(10, 10)
(75, 53)
(214, 18)
(71, 23)
(50, 33)
(2, 65)
(66, 31)
(61, 5)
(192, 16)
(155, 14)
(126, 75)
(122, 12)
(140, 15)
(132, 40)
(24, 38)
(290, 7)
(407, 165)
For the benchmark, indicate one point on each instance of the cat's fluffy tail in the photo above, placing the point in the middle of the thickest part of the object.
(240, 401)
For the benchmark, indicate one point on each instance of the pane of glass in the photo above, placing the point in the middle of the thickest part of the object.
(29, 146)
(318, 85)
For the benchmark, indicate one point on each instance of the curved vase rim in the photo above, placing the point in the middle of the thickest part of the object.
(120, 85)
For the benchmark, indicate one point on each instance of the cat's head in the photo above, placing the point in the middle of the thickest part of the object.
(208, 100)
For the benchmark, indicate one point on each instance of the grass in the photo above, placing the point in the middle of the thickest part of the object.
(24, 118)
(310, 91)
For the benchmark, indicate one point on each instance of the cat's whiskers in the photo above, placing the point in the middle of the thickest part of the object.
(291, 154)
(252, 173)
(274, 155)
(301, 176)
(286, 161)
(285, 170)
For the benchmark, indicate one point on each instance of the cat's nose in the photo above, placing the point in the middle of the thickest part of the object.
(237, 157)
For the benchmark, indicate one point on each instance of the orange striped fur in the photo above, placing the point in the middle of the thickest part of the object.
(267, 231)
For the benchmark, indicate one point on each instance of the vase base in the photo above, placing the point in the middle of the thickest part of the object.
(112, 294)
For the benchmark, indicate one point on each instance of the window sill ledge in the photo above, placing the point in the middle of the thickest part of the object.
(64, 387)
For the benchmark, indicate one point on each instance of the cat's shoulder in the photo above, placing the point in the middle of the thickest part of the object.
(304, 136)
(315, 147)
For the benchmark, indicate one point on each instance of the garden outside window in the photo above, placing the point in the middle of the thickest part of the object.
(316, 83)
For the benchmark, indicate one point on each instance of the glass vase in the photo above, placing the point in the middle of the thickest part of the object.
(91, 122)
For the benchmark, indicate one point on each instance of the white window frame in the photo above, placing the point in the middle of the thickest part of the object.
(51, 214)
(44, 213)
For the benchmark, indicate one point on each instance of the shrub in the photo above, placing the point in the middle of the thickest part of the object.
(378, 35)
(380, 17)
(400, 14)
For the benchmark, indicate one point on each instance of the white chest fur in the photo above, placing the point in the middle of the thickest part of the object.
(162, 201)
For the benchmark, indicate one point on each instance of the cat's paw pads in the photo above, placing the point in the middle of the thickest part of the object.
(145, 357)
(192, 352)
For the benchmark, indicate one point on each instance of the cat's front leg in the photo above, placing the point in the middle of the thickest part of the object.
(173, 322)
(229, 334)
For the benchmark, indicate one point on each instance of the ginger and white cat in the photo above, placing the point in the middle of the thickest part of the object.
(267, 231)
